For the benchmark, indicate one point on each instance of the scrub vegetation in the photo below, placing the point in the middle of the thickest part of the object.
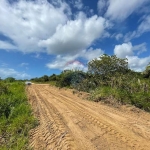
(108, 79)
(16, 117)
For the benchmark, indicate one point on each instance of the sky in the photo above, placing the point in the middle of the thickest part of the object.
(45, 37)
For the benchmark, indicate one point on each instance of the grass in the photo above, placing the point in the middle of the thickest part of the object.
(15, 117)
(133, 94)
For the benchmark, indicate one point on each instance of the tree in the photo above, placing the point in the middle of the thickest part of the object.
(146, 73)
(10, 79)
(52, 77)
(45, 78)
(107, 65)
(70, 78)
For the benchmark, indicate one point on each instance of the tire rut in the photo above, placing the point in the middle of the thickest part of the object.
(67, 122)
(52, 133)
(107, 128)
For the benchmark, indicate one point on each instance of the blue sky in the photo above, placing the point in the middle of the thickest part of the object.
(42, 37)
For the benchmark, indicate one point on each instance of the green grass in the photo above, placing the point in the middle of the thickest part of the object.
(138, 98)
(15, 117)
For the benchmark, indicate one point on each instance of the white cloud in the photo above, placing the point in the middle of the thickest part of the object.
(140, 48)
(123, 50)
(91, 53)
(66, 62)
(75, 65)
(144, 26)
(38, 26)
(30, 22)
(138, 64)
(5, 45)
(129, 36)
(62, 62)
(127, 50)
(75, 35)
(78, 4)
(119, 36)
(102, 6)
(121, 9)
(9, 72)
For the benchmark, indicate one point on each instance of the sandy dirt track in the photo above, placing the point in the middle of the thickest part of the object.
(67, 122)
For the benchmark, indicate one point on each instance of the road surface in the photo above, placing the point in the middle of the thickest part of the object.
(67, 122)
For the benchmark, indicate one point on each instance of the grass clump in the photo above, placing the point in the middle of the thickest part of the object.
(15, 117)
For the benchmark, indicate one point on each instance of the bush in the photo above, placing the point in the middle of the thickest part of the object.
(10, 79)
(108, 77)
(3, 88)
(70, 79)
(15, 117)
(130, 91)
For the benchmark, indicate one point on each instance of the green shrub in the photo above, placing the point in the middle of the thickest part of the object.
(15, 117)
(70, 79)
(3, 88)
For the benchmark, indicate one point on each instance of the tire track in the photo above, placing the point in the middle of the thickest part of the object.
(67, 122)
(52, 133)
(136, 125)
(107, 128)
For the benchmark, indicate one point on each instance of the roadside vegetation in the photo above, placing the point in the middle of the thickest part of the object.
(107, 79)
(16, 117)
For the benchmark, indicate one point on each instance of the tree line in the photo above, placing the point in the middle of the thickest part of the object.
(108, 77)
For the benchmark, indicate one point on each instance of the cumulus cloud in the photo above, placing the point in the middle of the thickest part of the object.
(75, 35)
(123, 50)
(91, 53)
(127, 50)
(66, 62)
(62, 62)
(138, 64)
(40, 26)
(9, 72)
(30, 22)
(121, 9)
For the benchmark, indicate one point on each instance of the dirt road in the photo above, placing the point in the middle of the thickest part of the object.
(67, 122)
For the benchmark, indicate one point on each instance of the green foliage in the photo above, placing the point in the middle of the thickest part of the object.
(10, 79)
(141, 100)
(146, 73)
(45, 78)
(15, 117)
(70, 78)
(3, 88)
(107, 65)
(108, 77)
(126, 89)
(53, 77)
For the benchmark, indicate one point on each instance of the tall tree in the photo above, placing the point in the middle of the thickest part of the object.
(107, 65)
